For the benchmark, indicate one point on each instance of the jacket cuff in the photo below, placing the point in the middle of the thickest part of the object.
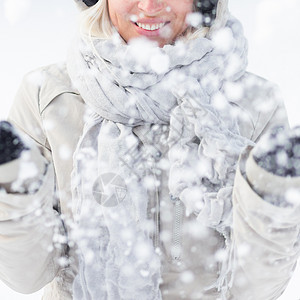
(27, 169)
(14, 206)
(278, 190)
(247, 199)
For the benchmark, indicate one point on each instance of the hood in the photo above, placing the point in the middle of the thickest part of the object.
(221, 16)
(220, 21)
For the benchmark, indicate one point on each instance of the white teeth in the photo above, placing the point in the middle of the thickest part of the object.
(150, 27)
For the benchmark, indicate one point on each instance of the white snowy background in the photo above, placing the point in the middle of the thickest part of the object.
(37, 32)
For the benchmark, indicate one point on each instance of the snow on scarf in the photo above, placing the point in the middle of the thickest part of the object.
(138, 84)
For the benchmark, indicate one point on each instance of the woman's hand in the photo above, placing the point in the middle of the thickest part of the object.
(11, 144)
(279, 152)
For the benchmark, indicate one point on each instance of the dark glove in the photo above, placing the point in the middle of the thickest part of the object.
(11, 145)
(279, 152)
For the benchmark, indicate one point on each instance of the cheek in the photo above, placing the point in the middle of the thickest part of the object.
(181, 10)
(180, 7)
(118, 11)
(187, 8)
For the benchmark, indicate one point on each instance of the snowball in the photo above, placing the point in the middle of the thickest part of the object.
(233, 91)
(221, 255)
(63, 261)
(65, 152)
(293, 196)
(194, 19)
(187, 277)
(223, 40)
(142, 251)
(145, 273)
(133, 18)
(160, 63)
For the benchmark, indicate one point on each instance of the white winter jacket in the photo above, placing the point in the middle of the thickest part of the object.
(34, 247)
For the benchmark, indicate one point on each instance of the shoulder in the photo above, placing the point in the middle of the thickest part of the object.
(37, 95)
(256, 91)
(260, 103)
(257, 95)
(48, 82)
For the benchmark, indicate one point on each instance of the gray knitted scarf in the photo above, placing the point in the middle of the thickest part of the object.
(124, 86)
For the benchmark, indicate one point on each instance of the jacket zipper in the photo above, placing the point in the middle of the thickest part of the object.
(177, 228)
(157, 223)
(156, 216)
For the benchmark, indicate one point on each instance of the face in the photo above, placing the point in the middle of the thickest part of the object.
(158, 20)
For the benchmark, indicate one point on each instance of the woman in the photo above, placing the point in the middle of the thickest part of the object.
(138, 193)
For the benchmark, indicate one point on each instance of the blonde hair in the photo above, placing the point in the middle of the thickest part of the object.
(95, 23)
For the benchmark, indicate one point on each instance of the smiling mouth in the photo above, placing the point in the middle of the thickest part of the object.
(151, 27)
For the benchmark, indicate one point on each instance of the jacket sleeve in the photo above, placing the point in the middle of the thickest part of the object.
(265, 234)
(266, 215)
(30, 227)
